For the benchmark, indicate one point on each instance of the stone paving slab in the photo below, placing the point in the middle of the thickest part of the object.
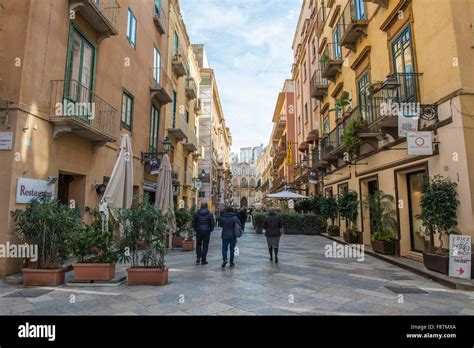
(304, 282)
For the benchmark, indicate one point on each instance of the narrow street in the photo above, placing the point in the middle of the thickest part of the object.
(303, 283)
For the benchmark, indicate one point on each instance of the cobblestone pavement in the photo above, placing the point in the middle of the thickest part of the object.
(305, 282)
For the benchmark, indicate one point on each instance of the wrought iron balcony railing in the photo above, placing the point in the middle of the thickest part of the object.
(331, 61)
(161, 86)
(160, 18)
(319, 85)
(353, 23)
(102, 15)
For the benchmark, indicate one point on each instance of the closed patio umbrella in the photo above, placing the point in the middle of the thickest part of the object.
(285, 194)
(164, 194)
(119, 191)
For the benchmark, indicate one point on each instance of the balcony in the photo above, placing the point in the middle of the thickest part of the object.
(399, 93)
(319, 86)
(102, 15)
(160, 19)
(383, 3)
(179, 62)
(188, 180)
(175, 173)
(198, 106)
(353, 24)
(178, 127)
(191, 144)
(280, 127)
(331, 61)
(199, 153)
(161, 86)
(191, 88)
(76, 109)
(280, 155)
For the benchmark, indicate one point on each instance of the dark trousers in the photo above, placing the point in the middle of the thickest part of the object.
(226, 243)
(202, 244)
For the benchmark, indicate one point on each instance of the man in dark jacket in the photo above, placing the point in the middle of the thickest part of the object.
(203, 224)
(243, 217)
(227, 221)
(272, 226)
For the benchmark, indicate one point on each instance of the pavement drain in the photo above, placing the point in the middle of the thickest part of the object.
(29, 293)
(406, 290)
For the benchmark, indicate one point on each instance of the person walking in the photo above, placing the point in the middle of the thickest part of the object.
(243, 217)
(203, 224)
(272, 226)
(218, 215)
(227, 221)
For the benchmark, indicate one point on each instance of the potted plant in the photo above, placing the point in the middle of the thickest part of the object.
(183, 227)
(347, 205)
(383, 222)
(350, 136)
(374, 87)
(46, 223)
(312, 224)
(340, 105)
(291, 223)
(328, 207)
(143, 222)
(258, 220)
(94, 250)
(439, 204)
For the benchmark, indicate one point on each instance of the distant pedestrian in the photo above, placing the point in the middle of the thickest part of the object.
(218, 215)
(227, 221)
(203, 224)
(243, 217)
(272, 226)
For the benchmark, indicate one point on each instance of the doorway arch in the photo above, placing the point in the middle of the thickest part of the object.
(243, 202)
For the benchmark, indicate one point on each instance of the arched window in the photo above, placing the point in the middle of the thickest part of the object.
(234, 182)
(243, 182)
(253, 183)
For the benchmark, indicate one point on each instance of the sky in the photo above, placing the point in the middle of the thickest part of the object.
(248, 44)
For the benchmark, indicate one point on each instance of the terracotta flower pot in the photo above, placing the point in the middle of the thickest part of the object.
(177, 242)
(188, 245)
(93, 271)
(147, 276)
(43, 277)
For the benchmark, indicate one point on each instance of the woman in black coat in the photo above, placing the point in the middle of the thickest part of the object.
(227, 221)
(272, 226)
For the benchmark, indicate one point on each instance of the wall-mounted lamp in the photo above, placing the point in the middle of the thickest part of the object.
(52, 180)
(167, 145)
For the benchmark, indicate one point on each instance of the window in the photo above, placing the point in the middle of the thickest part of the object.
(80, 68)
(154, 126)
(202, 194)
(127, 111)
(157, 7)
(306, 113)
(187, 116)
(156, 64)
(313, 46)
(336, 38)
(305, 71)
(359, 10)
(131, 28)
(326, 125)
(176, 43)
(299, 124)
(362, 85)
(402, 56)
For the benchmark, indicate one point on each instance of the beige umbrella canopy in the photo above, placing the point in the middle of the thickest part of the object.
(119, 191)
(164, 194)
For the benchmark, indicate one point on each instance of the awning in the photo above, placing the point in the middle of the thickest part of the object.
(303, 147)
(312, 136)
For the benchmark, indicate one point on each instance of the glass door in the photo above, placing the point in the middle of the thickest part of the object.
(156, 65)
(359, 10)
(414, 185)
(403, 65)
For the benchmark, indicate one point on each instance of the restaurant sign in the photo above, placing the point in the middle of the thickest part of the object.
(29, 189)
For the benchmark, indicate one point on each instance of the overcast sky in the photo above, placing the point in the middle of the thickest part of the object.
(248, 43)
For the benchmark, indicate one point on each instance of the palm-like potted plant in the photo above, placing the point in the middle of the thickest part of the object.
(350, 136)
(383, 222)
(144, 224)
(48, 224)
(329, 212)
(94, 249)
(439, 203)
(347, 205)
(183, 218)
(340, 105)
(291, 223)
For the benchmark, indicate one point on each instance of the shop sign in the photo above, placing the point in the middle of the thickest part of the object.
(289, 153)
(154, 166)
(198, 184)
(460, 256)
(312, 177)
(149, 186)
(407, 122)
(291, 204)
(420, 143)
(29, 189)
(6, 140)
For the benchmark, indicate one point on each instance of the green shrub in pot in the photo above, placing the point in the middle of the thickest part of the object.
(258, 219)
(313, 224)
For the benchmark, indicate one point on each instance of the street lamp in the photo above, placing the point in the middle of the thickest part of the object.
(203, 173)
(305, 161)
(166, 144)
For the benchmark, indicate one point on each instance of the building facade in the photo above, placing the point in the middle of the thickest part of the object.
(384, 55)
(215, 139)
(244, 184)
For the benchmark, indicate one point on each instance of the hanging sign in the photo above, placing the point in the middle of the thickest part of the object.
(291, 204)
(154, 166)
(312, 178)
(407, 122)
(289, 153)
(6, 140)
(198, 184)
(29, 189)
(460, 256)
(420, 143)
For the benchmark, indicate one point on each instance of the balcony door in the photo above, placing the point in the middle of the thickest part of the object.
(403, 64)
(80, 68)
(156, 65)
(359, 10)
(336, 39)
(414, 185)
(364, 101)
